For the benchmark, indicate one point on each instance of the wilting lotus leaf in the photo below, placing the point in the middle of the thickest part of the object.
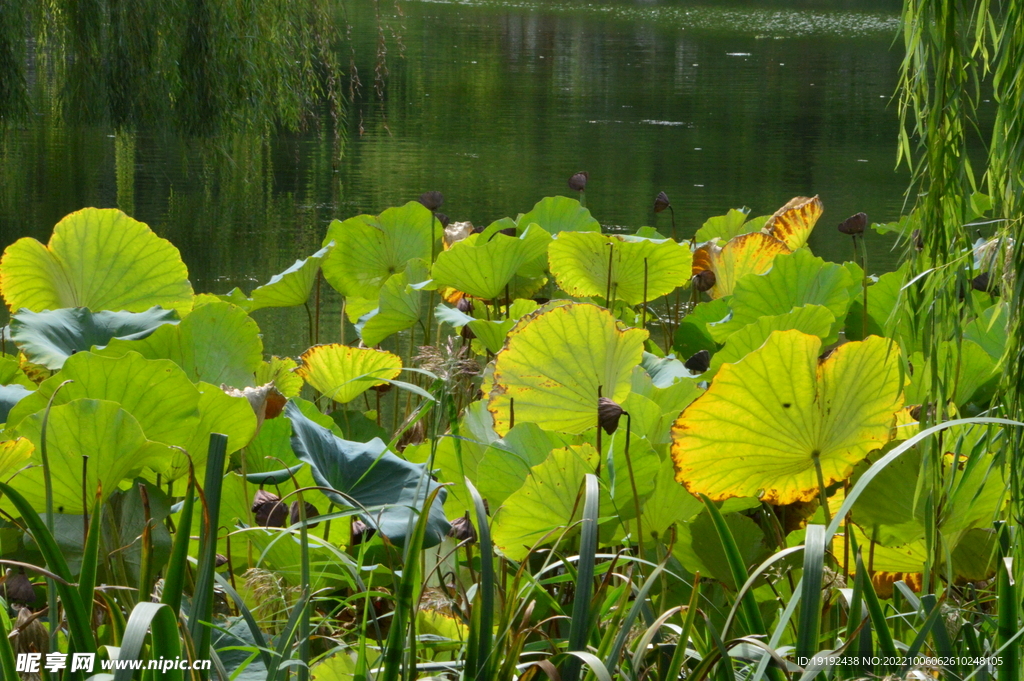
(814, 320)
(280, 370)
(740, 256)
(289, 288)
(370, 249)
(579, 261)
(49, 338)
(157, 393)
(759, 428)
(560, 214)
(399, 307)
(343, 373)
(554, 364)
(14, 454)
(792, 223)
(974, 371)
(109, 435)
(98, 258)
(724, 227)
(11, 373)
(217, 343)
(483, 265)
(10, 396)
(989, 330)
(391, 488)
(795, 279)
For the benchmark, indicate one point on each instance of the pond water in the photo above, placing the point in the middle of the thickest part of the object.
(496, 103)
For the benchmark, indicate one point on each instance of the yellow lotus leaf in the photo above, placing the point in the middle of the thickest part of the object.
(741, 255)
(14, 454)
(764, 421)
(343, 373)
(792, 223)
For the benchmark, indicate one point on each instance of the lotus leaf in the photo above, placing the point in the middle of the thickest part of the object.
(506, 463)
(483, 267)
(289, 288)
(765, 420)
(49, 338)
(370, 249)
(391, 488)
(796, 279)
(699, 548)
(217, 343)
(692, 334)
(883, 295)
(814, 320)
(580, 263)
(971, 369)
(669, 504)
(989, 330)
(905, 558)
(724, 227)
(560, 214)
(11, 373)
(792, 223)
(97, 258)
(280, 370)
(343, 373)
(557, 361)
(740, 256)
(218, 413)
(10, 396)
(14, 454)
(109, 435)
(399, 307)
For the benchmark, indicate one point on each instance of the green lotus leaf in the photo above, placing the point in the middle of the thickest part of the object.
(280, 552)
(506, 464)
(692, 335)
(483, 268)
(973, 370)
(97, 258)
(157, 393)
(287, 289)
(796, 279)
(492, 334)
(814, 320)
(14, 454)
(10, 396)
(217, 343)
(391, 488)
(555, 363)
(989, 330)
(370, 249)
(343, 373)
(218, 413)
(883, 296)
(765, 420)
(399, 307)
(560, 214)
(976, 555)
(699, 548)
(902, 559)
(724, 227)
(669, 504)
(280, 371)
(109, 435)
(580, 263)
(49, 338)
(11, 373)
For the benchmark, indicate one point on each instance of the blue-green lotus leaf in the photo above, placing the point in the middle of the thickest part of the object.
(389, 487)
(50, 337)
(10, 395)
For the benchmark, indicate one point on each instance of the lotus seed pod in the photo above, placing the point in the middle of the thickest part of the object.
(699, 362)
(608, 414)
(432, 200)
(704, 281)
(854, 224)
(269, 510)
(661, 202)
(578, 182)
(462, 529)
(311, 512)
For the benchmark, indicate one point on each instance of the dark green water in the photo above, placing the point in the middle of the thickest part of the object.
(496, 104)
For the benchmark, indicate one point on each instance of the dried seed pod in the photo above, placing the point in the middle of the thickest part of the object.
(220, 560)
(578, 182)
(608, 414)
(661, 202)
(462, 529)
(361, 531)
(854, 224)
(704, 280)
(442, 218)
(508, 231)
(383, 388)
(18, 589)
(983, 282)
(32, 636)
(465, 305)
(432, 200)
(699, 362)
(467, 333)
(269, 510)
(311, 512)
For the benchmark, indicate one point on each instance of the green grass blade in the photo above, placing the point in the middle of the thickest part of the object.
(250, 620)
(7, 664)
(579, 628)
(90, 559)
(177, 566)
(165, 640)
(810, 597)
(1006, 591)
(751, 614)
(612, 660)
(202, 599)
(885, 643)
(479, 658)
